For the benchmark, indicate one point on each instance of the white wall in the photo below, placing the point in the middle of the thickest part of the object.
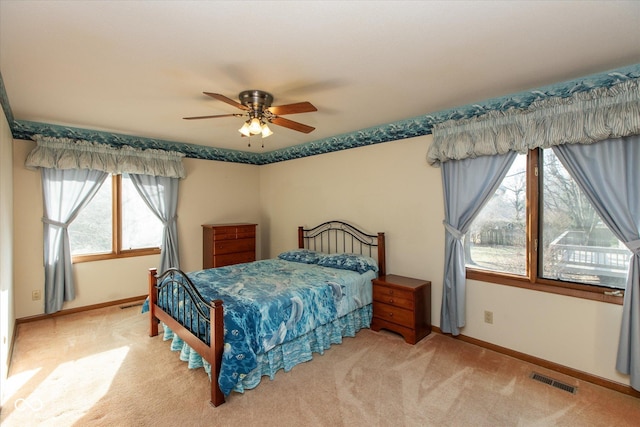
(385, 187)
(574, 332)
(389, 187)
(211, 192)
(7, 315)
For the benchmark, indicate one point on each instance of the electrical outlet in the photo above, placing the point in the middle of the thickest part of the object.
(488, 317)
(35, 295)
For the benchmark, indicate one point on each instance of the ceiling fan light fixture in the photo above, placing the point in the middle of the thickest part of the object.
(266, 131)
(245, 129)
(255, 127)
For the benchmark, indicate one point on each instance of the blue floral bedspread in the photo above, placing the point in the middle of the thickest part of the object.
(267, 303)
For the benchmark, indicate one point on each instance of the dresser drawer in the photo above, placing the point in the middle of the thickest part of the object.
(235, 258)
(233, 232)
(380, 294)
(232, 246)
(393, 314)
(247, 231)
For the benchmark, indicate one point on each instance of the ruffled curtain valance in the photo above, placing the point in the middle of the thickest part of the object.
(64, 153)
(582, 118)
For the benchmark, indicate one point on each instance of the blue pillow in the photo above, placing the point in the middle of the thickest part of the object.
(305, 256)
(353, 262)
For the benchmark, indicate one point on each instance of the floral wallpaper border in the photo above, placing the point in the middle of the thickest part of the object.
(417, 126)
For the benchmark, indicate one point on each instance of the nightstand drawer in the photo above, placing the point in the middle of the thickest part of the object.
(393, 314)
(379, 295)
(385, 291)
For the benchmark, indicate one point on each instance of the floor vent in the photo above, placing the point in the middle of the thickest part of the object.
(130, 305)
(553, 383)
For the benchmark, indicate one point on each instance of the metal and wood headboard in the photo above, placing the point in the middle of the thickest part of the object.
(340, 237)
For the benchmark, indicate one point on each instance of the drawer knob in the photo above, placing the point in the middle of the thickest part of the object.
(390, 314)
(391, 300)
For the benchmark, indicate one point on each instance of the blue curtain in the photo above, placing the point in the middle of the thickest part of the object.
(161, 195)
(468, 184)
(609, 175)
(65, 192)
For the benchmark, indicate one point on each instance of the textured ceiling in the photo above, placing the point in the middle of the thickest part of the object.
(138, 67)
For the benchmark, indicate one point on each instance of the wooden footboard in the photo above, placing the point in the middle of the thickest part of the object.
(212, 353)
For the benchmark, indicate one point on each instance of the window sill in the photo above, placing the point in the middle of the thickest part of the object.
(544, 285)
(124, 254)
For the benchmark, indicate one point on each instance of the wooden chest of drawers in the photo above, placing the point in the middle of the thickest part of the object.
(402, 305)
(227, 244)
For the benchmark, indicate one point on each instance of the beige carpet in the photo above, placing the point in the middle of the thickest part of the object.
(101, 368)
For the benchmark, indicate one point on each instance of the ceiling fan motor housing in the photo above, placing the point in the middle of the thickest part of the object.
(256, 100)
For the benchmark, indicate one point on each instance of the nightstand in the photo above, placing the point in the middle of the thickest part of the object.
(402, 305)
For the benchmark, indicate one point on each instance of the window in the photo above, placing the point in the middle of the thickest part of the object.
(116, 223)
(540, 231)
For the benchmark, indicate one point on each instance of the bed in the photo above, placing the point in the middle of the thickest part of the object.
(245, 321)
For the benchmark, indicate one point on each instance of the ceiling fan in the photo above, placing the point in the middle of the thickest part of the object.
(257, 107)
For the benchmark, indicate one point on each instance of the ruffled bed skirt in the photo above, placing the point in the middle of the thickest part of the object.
(284, 356)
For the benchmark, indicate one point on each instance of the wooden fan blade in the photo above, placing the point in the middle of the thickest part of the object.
(299, 107)
(229, 101)
(280, 121)
(212, 117)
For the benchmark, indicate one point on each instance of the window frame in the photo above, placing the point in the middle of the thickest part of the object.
(532, 280)
(116, 231)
